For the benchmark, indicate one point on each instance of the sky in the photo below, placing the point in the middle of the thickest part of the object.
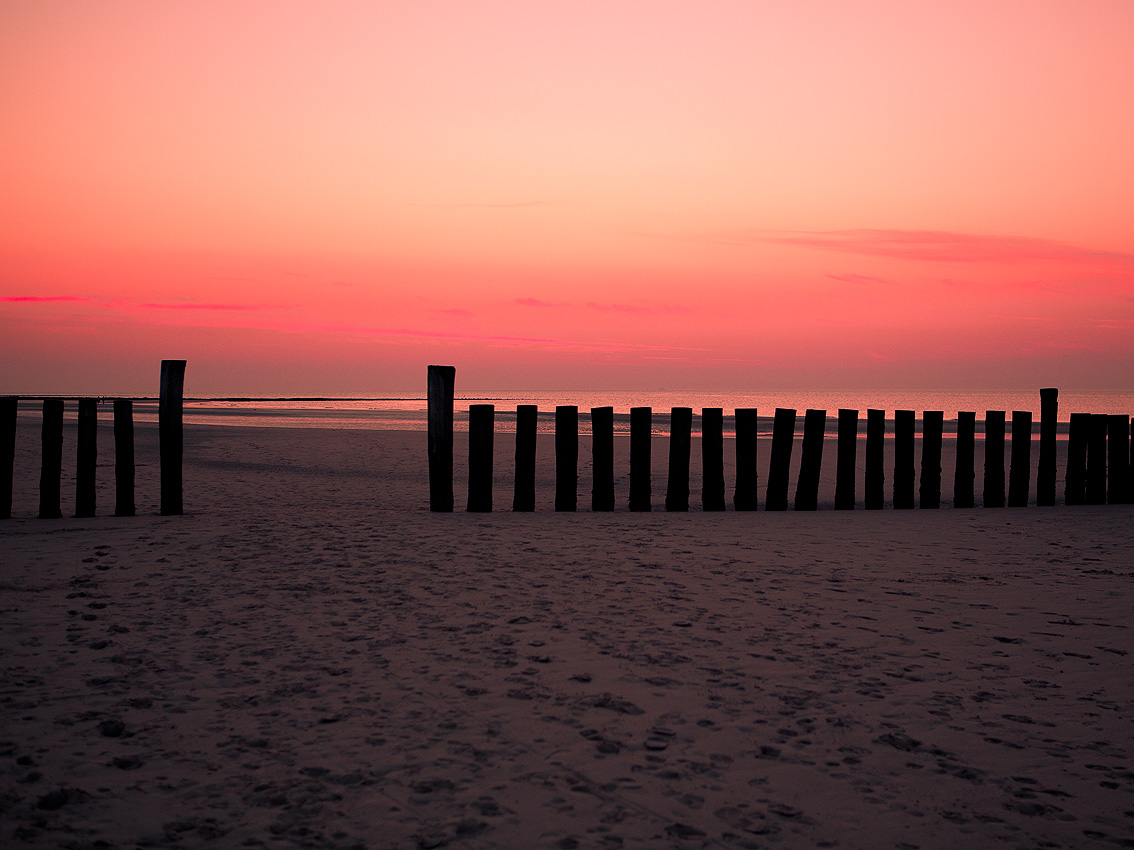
(324, 198)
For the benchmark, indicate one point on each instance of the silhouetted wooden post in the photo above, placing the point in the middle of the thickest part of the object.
(124, 457)
(523, 498)
(1118, 458)
(904, 459)
(9, 405)
(641, 440)
(1096, 459)
(171, 435)
(482, 419)
(993, 459)
(1075, 492)
(440, 404)
(875, 495)
(1019, 474)
(566, 457)
(964, 479)
(810, 460)
(712, 459)
(779, 465)
(602, 457)
(847, 461)
(51, 468)
(932, 426)
(87, 458)
(745, 497)
(1049, 422)
(680, 437)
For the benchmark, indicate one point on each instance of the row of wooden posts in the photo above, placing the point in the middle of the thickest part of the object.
(170, 437)
(1095, 443)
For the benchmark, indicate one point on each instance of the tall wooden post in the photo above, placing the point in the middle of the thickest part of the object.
(680, 437)
(903, 459)
(1049, 423)
(482, 418)
(1096, 460)
(745, 496)
(847, 463)
(87, 458)
(1118, 458)
(602, 457)
(9, 405)
(810, 460)
(932, 425)
(712, 459)
(641, 440)
(527, 416)
(875, 495)
(124, 457)
(964, 479)
(440, 404)
(51, 468)
(1019, 474)
(993, 459)
(171, 435)
(566, 457)
(779, 465)
(1075, 492)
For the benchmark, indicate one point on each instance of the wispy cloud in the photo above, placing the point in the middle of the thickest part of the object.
(859, 279)
(594, 306)
(40, 299)
(191, 306)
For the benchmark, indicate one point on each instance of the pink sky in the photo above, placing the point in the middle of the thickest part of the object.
(308, 198)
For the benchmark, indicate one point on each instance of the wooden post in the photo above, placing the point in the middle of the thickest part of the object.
(9, 405)
(903, 459)
(779, 465)
(482, 420)
(875, 482)
(441, 383)
(964, 479)
(1118, 458)
(641, 440)
(124, 457)
(602, 457)
(680, 437)
(746, 495)
(993, 459)
(847, 461)
(1049, 419)
(1075, 492)
(527, 416)
(810, 461)
(1019, 474)
(171, 435)
(87, 458)
(51, 468)
(566, 457)
(1096, 460)
(932, 425)
(712, 459)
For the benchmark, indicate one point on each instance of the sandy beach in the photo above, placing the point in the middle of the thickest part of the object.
(310, 658)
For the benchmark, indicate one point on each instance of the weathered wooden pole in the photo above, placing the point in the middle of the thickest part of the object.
(440, 405)
(171, 435)
(87, 458)
(9, 405)
(641, 440)
(745, 496)
(964, 478)
(566, 457)
(1075, 492)
(875, 479)
(1049, 423)
(523, 498)
(680, 438)
(993, 459)
(124, 457)
(51, 468)
(712, 459)
(1019, 473)
(847, 461)
(810, 459)
(482, 420)
(1096, 460)
(779, 465)
(932, 426)
(904, 459)
(602, 458)
(1118, 458)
